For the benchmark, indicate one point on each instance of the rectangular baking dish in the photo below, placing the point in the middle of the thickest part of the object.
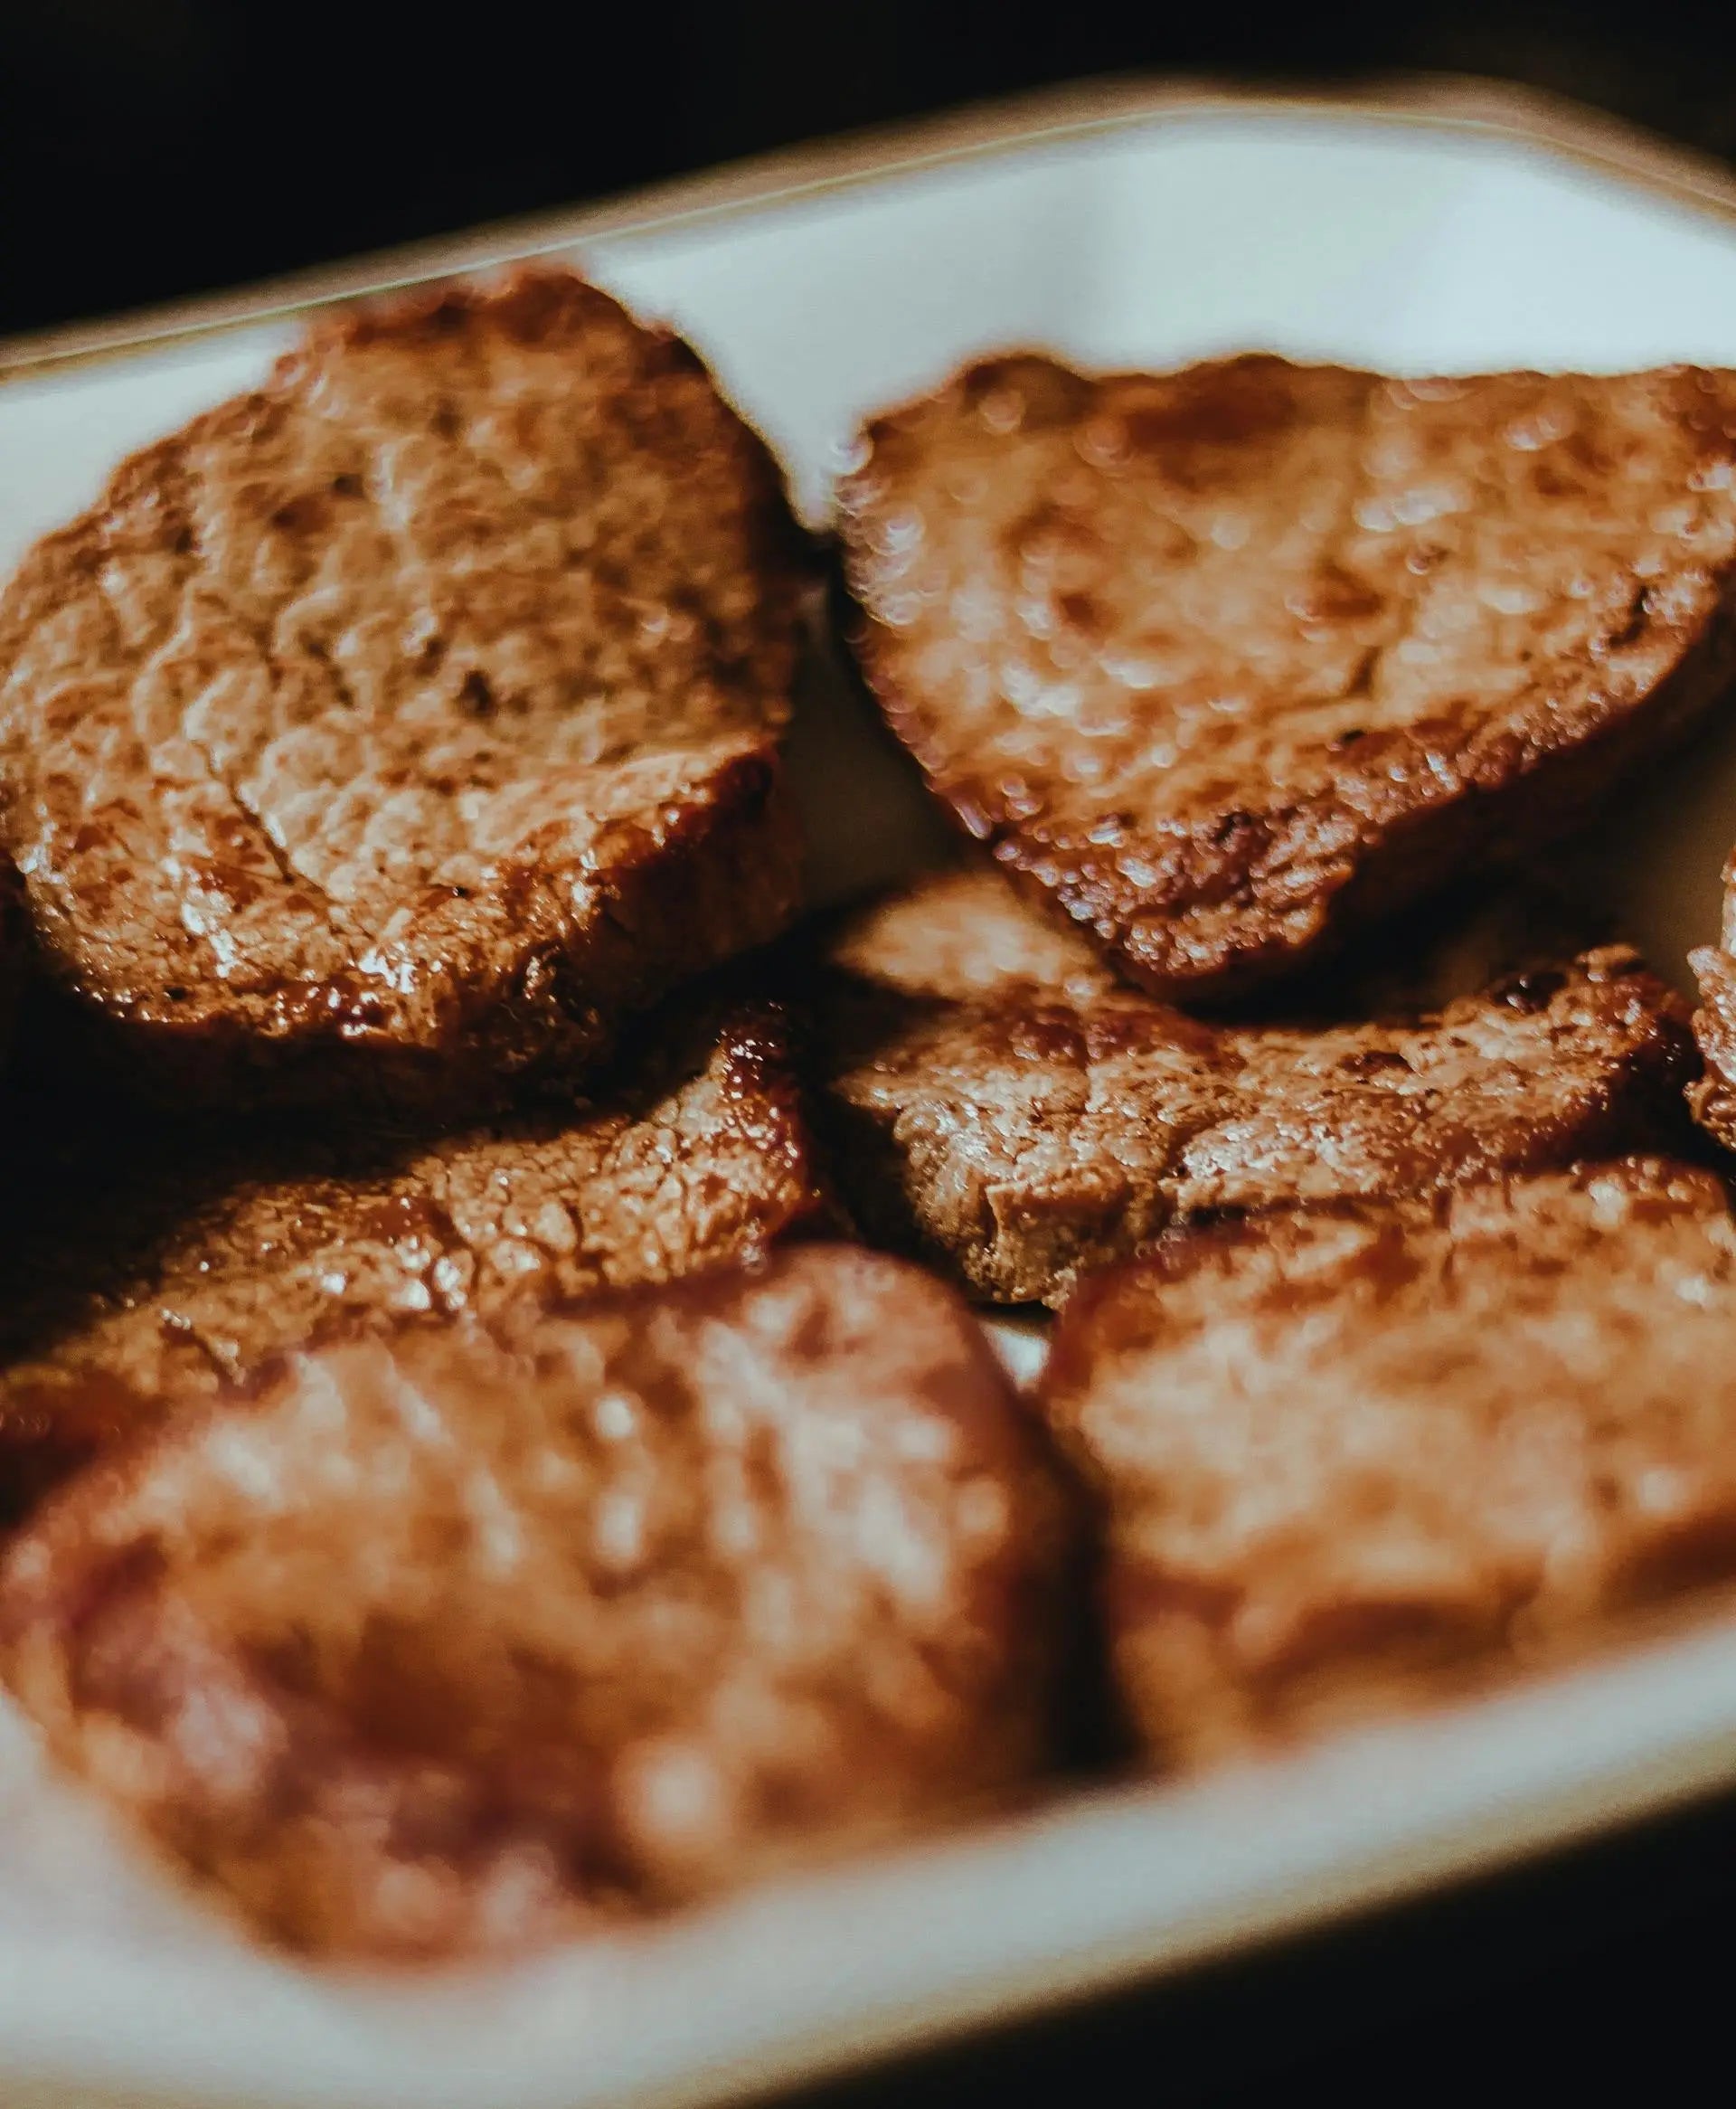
(1415, 227)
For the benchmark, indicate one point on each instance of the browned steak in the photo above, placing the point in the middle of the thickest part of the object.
(156, 1262)
(1230, 661)
(1713, 1098)
(960, 935)
(401, 726)
(459, 1639)
(998, 1107)
(1352, 1456)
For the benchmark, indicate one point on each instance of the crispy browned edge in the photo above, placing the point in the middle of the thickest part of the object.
(1645, 1109)
(1713, 1097)
(727, 878)
(1522, 794)
(39, 1449)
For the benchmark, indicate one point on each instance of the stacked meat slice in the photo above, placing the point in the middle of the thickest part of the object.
(1406, 1371)
(164, 1262)
(1000, 1108)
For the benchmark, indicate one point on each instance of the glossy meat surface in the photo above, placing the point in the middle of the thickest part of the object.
(998, 1111)
(162, 1261)
(403, 725)
(1234, 661)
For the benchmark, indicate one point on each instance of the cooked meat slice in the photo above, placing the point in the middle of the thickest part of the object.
(1231, 661)
(1713, 1097)
(636, 1600)
(403, 725)
(961, 934)
(153, 1262)
(1352, 1456)
(1018, 1136)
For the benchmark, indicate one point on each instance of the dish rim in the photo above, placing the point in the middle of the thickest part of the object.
(1466, 105)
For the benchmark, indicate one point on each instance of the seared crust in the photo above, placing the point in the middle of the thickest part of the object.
(994, 1112)
(1232, 661)
(1713, 1097)
(400, 727)
(1355, 1456)
(157, 1264)
(634, 1602)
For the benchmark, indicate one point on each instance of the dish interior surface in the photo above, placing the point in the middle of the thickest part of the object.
(1320, 233)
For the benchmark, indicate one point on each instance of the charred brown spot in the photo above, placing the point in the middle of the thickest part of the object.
(1529, 991)
(1026, 392)
(402, 1218)
(1045, 1036)
(1080, 612)
(476, 697)
(1634, 624)
(305, 514)
(1049, 532)
(1123, 1028)
(1333, 595)
(1234, 405)
(1370, 1060)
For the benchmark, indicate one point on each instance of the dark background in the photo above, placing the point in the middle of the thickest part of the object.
(155, 147)
(151, 148)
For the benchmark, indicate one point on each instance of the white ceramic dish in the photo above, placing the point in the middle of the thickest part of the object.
(1421, 228)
